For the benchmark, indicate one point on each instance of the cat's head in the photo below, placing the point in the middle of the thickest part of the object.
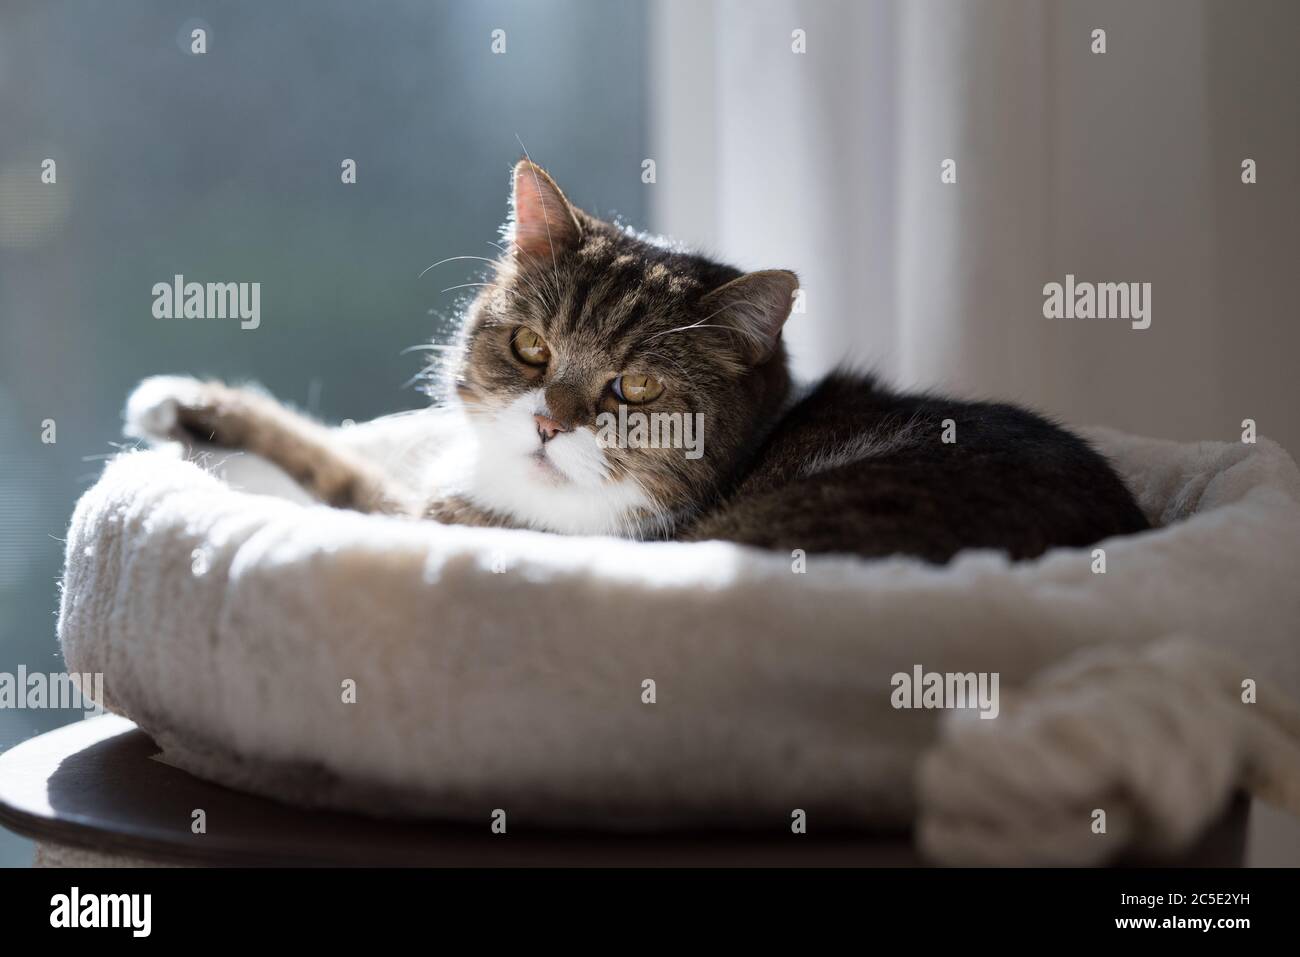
(581, 317)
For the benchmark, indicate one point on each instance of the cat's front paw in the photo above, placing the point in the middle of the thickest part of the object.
(162, 409)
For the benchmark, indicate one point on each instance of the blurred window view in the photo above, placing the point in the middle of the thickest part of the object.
(227, 167)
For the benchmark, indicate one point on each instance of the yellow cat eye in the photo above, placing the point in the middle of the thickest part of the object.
(529, 347)
(637, 388)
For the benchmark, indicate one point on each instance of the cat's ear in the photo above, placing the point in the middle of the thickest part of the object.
(755, 307)
(542, 221)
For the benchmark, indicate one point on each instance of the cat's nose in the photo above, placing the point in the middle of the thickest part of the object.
(549, 428)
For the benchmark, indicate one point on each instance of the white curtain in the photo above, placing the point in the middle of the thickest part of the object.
(1123, 166)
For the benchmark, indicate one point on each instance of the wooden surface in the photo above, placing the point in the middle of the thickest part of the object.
(96, 785)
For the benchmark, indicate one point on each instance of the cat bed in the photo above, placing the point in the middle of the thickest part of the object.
(407, 668)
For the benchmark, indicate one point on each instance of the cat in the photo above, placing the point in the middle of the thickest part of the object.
(582, 319)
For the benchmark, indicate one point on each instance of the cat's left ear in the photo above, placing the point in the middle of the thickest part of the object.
(543, 223)
(755, 307)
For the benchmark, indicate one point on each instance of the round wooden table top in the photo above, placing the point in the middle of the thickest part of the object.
(98, 785)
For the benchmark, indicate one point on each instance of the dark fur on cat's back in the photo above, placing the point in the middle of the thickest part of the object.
(846, 466)
(1010, 481)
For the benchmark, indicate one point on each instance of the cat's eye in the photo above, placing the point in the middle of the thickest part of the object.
(637, 388)
(529, 347)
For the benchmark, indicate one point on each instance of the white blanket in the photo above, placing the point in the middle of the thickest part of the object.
(507, 670)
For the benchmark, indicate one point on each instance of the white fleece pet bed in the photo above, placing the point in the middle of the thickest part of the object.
(505, 669)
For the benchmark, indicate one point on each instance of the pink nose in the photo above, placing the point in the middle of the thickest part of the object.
(548, 428)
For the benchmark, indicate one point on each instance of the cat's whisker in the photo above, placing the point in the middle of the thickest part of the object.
(119, 448)
(422, 374)
(496, 263)
(454, 259)
(704, 324)
(537, 185)
(426, 346)
(676, 365)
(695, 325)
(489, 285)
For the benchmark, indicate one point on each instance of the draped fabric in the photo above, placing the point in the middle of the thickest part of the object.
(1115, 167)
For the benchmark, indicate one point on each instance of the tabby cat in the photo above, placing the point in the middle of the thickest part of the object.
(581, 320)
